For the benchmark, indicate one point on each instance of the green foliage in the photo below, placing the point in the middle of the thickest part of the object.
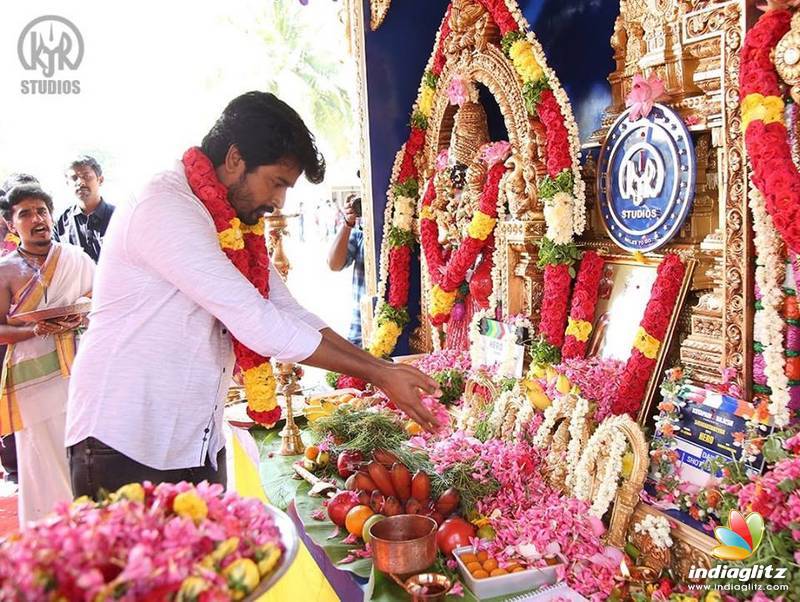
(398, 316)
(430, 79)
(552, 254)
(545, 354)
(409, 188)
(451, 382)
(506, 384)
(508, 41)
(361, 430)
(563, 182)
(532, 94)
(304, 70)
(332, 378)
(400, 238)
(418, 120)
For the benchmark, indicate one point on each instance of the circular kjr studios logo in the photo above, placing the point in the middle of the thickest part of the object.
(50, 45)
(646, 179)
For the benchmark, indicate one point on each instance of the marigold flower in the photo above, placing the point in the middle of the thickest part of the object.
(259, 383)
(232, 238)
(525, 63)
(647, 344)
(190, 505)
(768, 109)
(426, 101)
(481, 226)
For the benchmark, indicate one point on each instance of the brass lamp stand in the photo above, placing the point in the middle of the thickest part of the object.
(291, 442)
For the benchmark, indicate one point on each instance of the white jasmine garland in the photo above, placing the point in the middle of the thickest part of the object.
(577, 438)
(658, 528)
(609, 439)
(770, 325)
(524, 417)
(561, 406)
(558, 216)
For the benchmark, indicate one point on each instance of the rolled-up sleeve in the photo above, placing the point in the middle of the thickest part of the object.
(175, 237)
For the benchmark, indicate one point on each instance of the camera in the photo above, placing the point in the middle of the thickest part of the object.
(357, 206)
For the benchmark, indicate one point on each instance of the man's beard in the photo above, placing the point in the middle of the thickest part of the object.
(239, 195)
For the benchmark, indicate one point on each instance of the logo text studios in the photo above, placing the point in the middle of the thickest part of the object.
(50, 46)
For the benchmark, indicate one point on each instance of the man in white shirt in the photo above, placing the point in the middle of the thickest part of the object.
(148, 386)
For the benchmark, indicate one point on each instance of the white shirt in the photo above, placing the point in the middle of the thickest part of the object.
(153, 369)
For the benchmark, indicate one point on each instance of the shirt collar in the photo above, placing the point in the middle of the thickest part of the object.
(100, 211)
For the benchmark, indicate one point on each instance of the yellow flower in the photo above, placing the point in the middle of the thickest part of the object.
(768, 109)
(190, 505)
(191, 588)
(525, 63)
(267, 556)
(82, 501)
(384, 339)
(426, 213)
(627, 465)
(481, 226)
(647, 344)
(257, 229)
(425, 104)
(132, 491)
(223, 548)
(231, 238)
(259, 386)
(442, 301)
(242, 575)
(563, 385)
(580, 329)
(713, 596)
(13, 238)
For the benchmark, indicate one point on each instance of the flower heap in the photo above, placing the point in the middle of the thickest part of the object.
(449, 275)
(524, 510)
(546, 101)
(165, 542)
(246, 248)
(584, 301)
(595, 378)
(766, 137)
(649, 336)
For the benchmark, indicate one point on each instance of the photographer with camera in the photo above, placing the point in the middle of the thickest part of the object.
(348, 248)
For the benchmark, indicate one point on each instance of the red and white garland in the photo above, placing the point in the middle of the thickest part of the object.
(547, 102)
(650, 336)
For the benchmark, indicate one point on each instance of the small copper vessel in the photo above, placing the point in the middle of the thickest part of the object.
(403, 544)
(428, 587)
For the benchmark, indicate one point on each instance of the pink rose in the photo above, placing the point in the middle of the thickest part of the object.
(644, 93)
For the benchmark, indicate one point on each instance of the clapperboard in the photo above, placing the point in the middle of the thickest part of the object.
(492, 334)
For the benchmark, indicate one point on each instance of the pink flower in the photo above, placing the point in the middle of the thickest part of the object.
(598, 528)
(458, 91)
(442, 159)
(644, 93)
(456, 590)
(495, 152)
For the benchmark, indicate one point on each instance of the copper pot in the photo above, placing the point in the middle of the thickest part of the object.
(403, 544)
(428, 587)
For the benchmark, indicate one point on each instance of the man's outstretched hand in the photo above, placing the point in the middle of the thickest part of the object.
(405, 386)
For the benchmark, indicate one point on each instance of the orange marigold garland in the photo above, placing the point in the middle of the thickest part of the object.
(246, 248)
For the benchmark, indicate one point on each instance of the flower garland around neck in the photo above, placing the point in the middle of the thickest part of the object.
(766, 136)
(650, 336)
(448, 275)
(547, 102)
(246, 248)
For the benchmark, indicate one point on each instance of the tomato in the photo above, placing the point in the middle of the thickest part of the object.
(355, 519)
(340, 505)
(454, 533)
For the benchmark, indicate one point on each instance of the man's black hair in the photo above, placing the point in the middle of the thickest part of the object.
(18, 194)
(266, 131)
(86, 161)
(15, 179)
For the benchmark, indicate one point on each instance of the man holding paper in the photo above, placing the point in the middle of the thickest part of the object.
(40, 274)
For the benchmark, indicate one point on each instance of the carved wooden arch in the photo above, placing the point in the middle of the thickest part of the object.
(494, 70)
(628, 493)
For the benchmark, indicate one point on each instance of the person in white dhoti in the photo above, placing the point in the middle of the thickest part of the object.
(40, 274)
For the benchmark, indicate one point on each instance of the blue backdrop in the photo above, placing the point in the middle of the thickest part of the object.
(574, 33)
